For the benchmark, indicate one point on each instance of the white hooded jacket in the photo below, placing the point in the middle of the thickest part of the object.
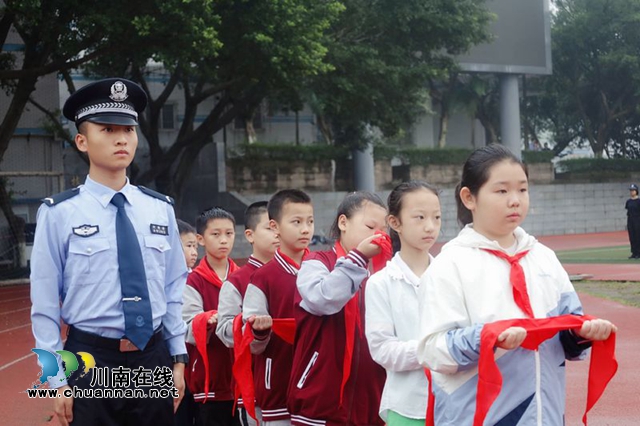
(467, 287)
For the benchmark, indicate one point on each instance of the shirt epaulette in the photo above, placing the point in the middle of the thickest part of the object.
(58, 198)
(156, 194)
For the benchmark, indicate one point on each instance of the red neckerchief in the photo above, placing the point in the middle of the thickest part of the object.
(285, 328)
(352, 310)
(518, 282)
(602, 368)
(206, 271)
(199, 327)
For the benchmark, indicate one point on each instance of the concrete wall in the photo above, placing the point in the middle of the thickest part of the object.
(554, 210)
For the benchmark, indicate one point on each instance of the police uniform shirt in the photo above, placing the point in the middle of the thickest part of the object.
(633, 208)
(74, 266)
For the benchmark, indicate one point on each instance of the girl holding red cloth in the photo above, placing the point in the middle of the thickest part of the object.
(493, 270)
(334, 380)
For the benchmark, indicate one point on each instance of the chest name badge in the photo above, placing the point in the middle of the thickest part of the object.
(86, 230)
(159, 229)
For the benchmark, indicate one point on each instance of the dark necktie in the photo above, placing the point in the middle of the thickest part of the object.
(138, 321)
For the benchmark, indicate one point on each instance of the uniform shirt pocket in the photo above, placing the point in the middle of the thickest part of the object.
(87, 257)
(155, 248)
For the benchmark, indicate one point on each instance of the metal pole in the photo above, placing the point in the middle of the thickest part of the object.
(363, 169)
(510, 113)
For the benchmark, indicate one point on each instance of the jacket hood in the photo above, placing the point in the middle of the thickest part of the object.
(468, 237)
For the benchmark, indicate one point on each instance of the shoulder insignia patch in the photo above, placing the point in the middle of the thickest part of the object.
(156, 194)
(58, 198)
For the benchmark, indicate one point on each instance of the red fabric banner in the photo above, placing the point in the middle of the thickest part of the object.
(285, 328)
(602, 368)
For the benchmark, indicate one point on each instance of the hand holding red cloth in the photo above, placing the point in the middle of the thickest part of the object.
(285, 328)
(380, 260)
(351, 309)
(602, 368)
(199, 326)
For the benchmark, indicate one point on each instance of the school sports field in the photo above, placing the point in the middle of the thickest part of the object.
(619, 406)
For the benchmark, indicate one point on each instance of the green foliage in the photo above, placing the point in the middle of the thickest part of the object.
(286, 152)
(422, 156)
(533, 157)
(383, 54)
(256, 153)
(594, 91)
(599, 165)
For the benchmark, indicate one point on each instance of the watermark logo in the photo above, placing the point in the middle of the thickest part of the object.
(118, 382)
(50, 368)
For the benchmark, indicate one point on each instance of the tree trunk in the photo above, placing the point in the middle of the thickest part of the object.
(249, 130)
(325, 129)
(444, 126)
(16, 226)
(297, 128)
(23, 91)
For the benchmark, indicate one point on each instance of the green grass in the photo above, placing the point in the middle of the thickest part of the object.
(625, 292)
(617, 254)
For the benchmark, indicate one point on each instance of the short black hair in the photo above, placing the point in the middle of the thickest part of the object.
(282, 197)
(253, 213)
(185, 228)
(212, 214)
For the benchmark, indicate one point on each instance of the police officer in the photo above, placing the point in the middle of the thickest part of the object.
(107, 260)
(633, 221)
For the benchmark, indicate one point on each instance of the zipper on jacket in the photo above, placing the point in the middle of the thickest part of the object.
(303, 379)
(536, 356)
(267, 374)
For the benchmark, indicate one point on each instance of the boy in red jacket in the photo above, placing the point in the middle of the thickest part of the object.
(264, 242)
(270, 295)
(216, 232)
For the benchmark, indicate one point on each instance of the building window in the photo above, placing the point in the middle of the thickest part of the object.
(167, 119)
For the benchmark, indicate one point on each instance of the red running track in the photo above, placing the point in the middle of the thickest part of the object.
(619, 406)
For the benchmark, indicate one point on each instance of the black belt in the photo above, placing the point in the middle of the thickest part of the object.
(119, 345)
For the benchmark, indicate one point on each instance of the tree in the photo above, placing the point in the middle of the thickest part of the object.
(384, 54)
(266, 48)
(594, 92)
(58, 35)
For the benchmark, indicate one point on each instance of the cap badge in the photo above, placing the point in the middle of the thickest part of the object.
(119, 91)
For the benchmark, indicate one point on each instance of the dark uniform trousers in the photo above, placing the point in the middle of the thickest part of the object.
(119, 411)
(633, 227)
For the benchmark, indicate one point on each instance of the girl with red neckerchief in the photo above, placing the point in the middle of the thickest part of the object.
(334, 380)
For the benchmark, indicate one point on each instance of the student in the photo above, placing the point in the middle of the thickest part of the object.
(633, 221)
(189, 240)
(393, 318)
(216, 233)
(106, 262)
(329, 384)
(264, 242)
(470, 284)
(186, 412)
(270, 295)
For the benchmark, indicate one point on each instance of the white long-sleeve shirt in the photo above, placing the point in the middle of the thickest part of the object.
(393, 330)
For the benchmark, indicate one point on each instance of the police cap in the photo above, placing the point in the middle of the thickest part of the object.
(109, 101)
(633, 187)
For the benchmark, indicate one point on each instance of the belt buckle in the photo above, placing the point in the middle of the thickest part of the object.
(127, 346)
